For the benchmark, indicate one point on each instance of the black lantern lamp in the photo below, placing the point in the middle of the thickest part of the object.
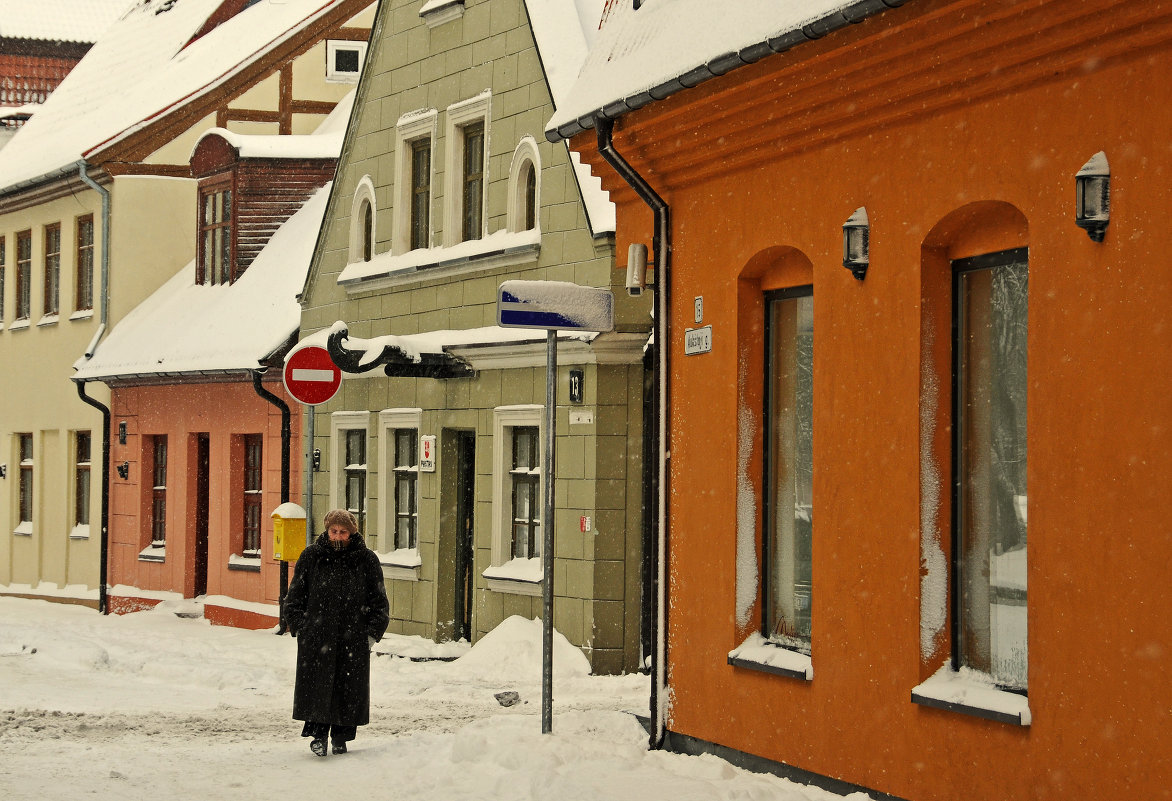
(856, 243)
(1092, 196)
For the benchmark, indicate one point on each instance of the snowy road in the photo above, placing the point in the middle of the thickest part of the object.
(154, 706)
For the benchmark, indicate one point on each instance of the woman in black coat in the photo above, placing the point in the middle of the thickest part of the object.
(337, 609)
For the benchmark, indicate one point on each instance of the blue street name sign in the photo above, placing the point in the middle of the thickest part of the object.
(552, 305)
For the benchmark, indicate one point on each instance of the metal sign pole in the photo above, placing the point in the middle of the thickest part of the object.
(309, 528)
(551, 374)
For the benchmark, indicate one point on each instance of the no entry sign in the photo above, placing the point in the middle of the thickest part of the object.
(311, 376)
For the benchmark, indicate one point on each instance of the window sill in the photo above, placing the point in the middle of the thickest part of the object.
(516, 577)
(501, 249)
(48, 319)
(437, 12)
(248, 564)
(402, 564)
(153, 554)
(82, 314)
(80, 532)
(757, 653)
(18, 325)
(972, 693)
(23, 529)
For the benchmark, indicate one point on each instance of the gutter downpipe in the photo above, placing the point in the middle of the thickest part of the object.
(286, 436)
(103, 607)
(103, 317)
(104, 307)
(661, 245)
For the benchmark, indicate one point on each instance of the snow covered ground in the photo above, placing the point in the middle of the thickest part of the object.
(158, 706)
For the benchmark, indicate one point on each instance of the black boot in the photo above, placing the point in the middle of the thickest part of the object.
(339, 746)
(318, 746)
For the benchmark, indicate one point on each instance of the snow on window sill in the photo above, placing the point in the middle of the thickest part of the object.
(517, 576)
(153, 553)
(502, 248)
(437, 12)
(24, 528)
(17, 325)
(80, 532)
(758, 653)
(82, 314)
(48, 319)
(402, 563)
(972, 693)
(249, 561)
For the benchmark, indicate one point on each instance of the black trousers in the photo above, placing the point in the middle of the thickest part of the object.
(319, 731)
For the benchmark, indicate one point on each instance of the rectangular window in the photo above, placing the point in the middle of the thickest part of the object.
(525, 475)
(25, 447)
(81, 478)
(406, 479)
(84, 296)
(215, 231)
(24, 274)
(473, 180)
(989, 452)
(344, 60)
(789, 473)
(253, 474)
(52, 299)
(420, 193)
(159, 491)
(355, 472)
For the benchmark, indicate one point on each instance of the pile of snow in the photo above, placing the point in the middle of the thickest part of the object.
(133, 707)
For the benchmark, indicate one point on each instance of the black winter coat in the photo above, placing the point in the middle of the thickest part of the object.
(335, 601)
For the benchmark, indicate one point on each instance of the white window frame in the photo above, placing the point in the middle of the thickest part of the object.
(525, 153)
(475, 109)
(403, 563)
(340, 424)
(80, 531)
(411, 127)
(506, 574)
(364, 192)
(332, 47)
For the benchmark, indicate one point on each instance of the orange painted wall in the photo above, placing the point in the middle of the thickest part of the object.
(950, 158)
(225, 411)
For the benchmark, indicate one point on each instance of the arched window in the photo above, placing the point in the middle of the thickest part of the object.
(362, 217)
(525, 187)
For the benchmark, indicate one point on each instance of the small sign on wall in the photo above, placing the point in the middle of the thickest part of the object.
(427, 453)
(697, 340)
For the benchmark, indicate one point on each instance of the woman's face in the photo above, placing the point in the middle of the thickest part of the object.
(338, 533)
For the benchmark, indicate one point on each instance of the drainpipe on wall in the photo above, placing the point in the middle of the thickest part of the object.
(661, 245)
(105, 513)
(104, 297)
(286, 436)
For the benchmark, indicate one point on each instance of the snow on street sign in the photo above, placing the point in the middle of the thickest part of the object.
(311, 375)
(554, 305)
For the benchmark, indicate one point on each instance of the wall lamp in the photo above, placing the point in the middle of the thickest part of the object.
(124, 471)
(1092, 196)
(856, 243)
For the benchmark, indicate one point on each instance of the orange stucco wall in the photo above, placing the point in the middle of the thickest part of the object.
(226, 412)
(950, 158)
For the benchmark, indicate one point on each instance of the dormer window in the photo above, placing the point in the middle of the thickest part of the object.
(216, 235)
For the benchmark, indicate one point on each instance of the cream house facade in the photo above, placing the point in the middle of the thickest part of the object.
(446, 188)
(98, 208)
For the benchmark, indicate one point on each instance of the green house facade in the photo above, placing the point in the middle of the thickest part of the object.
(446, 188)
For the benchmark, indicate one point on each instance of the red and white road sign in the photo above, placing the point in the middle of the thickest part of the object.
(311, 375)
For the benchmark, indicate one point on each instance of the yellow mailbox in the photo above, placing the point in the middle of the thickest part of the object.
(288, 532)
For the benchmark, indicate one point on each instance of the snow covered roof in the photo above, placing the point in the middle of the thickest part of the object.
(189, 328)
(142, 69)
(324, 143)
(58, 20)
(564, 30)
(643, 55)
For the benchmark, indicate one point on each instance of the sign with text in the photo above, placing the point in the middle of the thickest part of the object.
(697, 340)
